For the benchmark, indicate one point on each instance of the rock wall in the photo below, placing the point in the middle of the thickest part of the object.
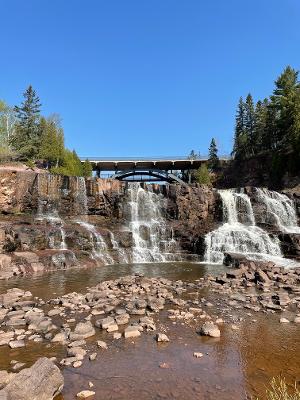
(50, 221)
(193, 211)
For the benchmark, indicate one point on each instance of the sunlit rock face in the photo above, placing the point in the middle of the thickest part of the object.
(73, 221)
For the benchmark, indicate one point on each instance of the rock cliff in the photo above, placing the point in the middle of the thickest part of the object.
(49, 221)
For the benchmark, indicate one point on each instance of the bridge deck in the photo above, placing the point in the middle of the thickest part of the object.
(145, 163)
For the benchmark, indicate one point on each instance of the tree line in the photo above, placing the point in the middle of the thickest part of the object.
(271, 124)
(28, 136)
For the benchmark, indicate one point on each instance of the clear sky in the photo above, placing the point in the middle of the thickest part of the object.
(137, 77)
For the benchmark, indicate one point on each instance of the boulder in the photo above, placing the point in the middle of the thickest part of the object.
(210, 329)
(132, 332)
(42, 381)
(161, 337)
(82, 330)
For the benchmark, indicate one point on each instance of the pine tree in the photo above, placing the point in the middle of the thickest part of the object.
(26, 138)
(240, 136)
(213, 159)
(285, 102)
(250, 125)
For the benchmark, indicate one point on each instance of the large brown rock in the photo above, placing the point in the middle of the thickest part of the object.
(42, 381)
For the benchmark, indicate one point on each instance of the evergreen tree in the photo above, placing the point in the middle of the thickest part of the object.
(286, 104)
(240, 135)
(52, 142)
(70, 166)
(26, 138)
(260, 125)
(249, 126)
(193, 155)
(203, 176)
(213, 159)
(87, 169)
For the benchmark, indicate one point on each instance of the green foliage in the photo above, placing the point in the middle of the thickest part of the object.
(52, 142)
(278, 390)
(26, 137)
(87, 169)
(213, 159)
(202, 175)
(6, 154)
(273, 124)
(71, 165)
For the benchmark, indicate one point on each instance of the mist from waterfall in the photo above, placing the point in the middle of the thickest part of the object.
(239, 233)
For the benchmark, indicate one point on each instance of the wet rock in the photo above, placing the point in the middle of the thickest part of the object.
(77, 352)
(93, 356)
(16, 344)
(105, 322)
(77, 364)
(210, 329)
(84, 394)
(122, 319)
(60, 337)
(117, 335)
(102, 344)
(112, 328)
(17, 366)
(42, 381)
(197, 354)
(283, 320)
(82, 330)
(132, 332)
(161, 337)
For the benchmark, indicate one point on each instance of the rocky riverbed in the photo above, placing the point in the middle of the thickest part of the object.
(102, 335)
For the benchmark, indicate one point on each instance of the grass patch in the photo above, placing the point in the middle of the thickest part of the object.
(279, 390)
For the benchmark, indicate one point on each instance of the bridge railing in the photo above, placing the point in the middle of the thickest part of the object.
(156, 158)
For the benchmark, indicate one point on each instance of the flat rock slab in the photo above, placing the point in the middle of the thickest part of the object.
(42, 381)
(132, 332)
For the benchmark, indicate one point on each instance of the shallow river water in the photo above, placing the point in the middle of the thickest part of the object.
(239, 365)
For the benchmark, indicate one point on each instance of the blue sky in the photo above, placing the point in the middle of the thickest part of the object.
(141, 78)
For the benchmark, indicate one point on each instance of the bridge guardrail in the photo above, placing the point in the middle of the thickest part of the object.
(164, 158)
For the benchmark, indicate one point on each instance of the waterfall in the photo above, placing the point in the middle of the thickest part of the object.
(47, 186)
(280, 209)
(151, 239)
(239, 234)
(99, 247)
(123, 258)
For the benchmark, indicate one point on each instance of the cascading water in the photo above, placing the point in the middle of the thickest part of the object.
(151, 239)
(47, 210)
(241, 237)
(99, 247)
(123, 259)
(280, 209)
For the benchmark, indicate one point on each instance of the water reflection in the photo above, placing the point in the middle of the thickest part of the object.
(64, 281)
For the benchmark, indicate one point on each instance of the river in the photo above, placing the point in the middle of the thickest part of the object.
(237, 365)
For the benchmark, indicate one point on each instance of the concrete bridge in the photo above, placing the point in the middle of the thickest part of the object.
(139, 169)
